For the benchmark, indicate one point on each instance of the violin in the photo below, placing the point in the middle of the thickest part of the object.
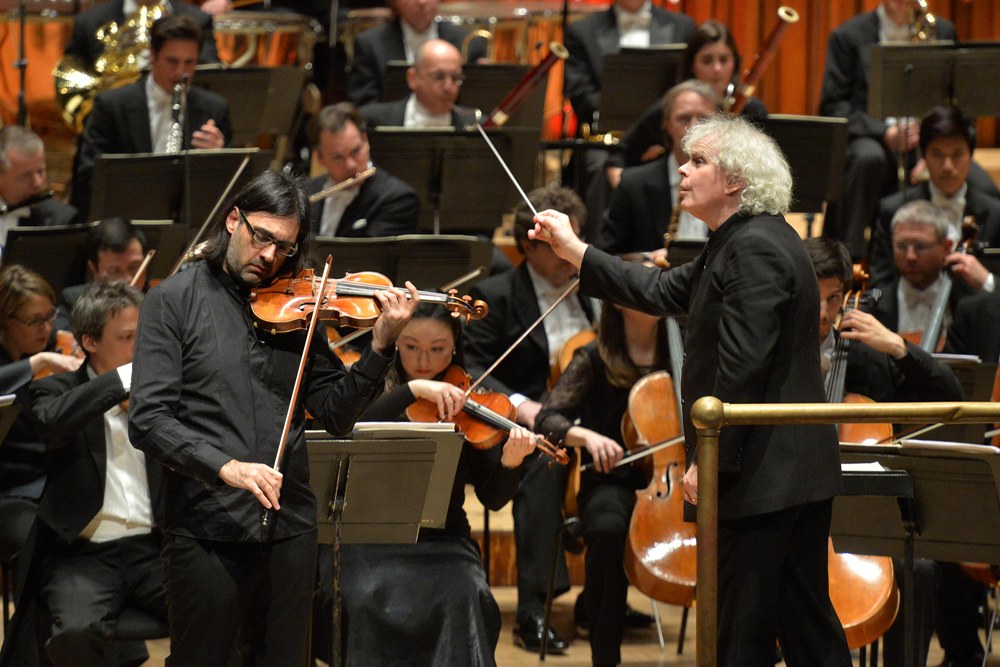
(486, 418)
(66, 344)
(287, 304)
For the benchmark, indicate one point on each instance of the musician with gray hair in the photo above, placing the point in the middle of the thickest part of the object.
(25, 197)
(752, 302)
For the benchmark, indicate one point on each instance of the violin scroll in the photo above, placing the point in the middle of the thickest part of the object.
(464, 306)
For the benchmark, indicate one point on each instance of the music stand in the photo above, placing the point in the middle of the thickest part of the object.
(462, 187)
(484, 88)
(262, 100)
(426, 260)
(169, 239)
(632, 80)
(910, 79)
(815, 148)
(977, 79)
(8, 414)
(350, 479)
(152, 186)
(955, 506)
(58, 253)
(976, 378)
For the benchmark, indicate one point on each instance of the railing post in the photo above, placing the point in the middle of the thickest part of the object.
(707, 415)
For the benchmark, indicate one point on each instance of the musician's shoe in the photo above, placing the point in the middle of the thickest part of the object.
(528, 635)
(633, 618)
(636, 619)
(971, 660)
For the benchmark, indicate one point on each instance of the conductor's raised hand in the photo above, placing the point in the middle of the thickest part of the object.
(397, 309)
(263, 481)
(555, 228)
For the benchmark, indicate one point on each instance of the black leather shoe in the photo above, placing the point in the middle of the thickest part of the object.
(973, 660)
(637, 619)
(528, 635)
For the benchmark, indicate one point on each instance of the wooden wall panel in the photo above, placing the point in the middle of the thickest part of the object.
(793, 82)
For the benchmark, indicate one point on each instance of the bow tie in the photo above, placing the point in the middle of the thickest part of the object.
(954, 206)
(627, 21)
(916, 298)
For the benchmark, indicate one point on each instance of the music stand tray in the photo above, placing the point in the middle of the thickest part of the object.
(815, 148)
(632, 80)
(57, 253)
(427, 260)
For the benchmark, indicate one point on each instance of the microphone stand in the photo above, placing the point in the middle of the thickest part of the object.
(21, 64)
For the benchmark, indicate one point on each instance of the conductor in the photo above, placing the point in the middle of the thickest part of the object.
(752, 302)
(209, 395)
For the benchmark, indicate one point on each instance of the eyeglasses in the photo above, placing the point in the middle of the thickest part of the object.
(439, 77)
(919, 247)
(36, 322)
(263, 239)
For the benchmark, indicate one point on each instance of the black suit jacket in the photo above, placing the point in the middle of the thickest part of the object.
(393, 113)
(845, 79)
(640, 210)
(119, 123)
(69, 409)
(753, 324)
(374, 48)
(916, 377)
(84, 42)
(385, 206)
(983, 207)
(591, 38)
(513, 306)
(975, 327)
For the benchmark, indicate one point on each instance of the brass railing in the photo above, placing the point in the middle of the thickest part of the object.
(709, 415)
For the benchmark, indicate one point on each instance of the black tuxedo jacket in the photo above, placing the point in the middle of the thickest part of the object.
(752, 302)
(385, 206)
(374, 48)
(591, 38)
(393, 113)
(845, 80)
(640, 210)
(983, 207)
(513, 307)
(975, 327)
(916, 377)
(69, 409)
(84, 42)
(119, 123)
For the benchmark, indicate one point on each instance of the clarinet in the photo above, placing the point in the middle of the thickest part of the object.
(175, 138)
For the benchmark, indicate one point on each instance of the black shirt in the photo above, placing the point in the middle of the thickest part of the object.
(208, 386)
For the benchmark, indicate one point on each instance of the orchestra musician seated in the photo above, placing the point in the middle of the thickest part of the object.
(517, 298)
(642, 206)
(379, 205)
(427, 603)
(415, 22)
(946, 143)
(585, 410)
(921, 250)
(137, 118)
(86, 45)
(435, 79)
(97, 545)
(884, 367)
(115, 250)
(25, 198)
(27, 343)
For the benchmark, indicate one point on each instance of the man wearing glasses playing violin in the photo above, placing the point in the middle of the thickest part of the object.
(210, 391)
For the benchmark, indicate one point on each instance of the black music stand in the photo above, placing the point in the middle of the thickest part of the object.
(462, 187)
(149, 186)
(815, 148)
(954, 515)
(910, 79)
(484, 88)
(8, 414)
(426, 260)
(57, 253)
(169, 239)
(262, 100)
(632, 80)
(977, 79)
(350, 478)
(976, 378)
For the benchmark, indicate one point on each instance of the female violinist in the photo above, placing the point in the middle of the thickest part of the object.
(595, 389)
(428, 603)
(27, 339)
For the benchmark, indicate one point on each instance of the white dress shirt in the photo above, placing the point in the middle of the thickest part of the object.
(413, 40)
(915, 306)
(633, 27)
(417, 115)
(334, 207)
(160, 103)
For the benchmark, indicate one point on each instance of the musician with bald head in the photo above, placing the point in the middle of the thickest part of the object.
(435, 81)
(24, 184)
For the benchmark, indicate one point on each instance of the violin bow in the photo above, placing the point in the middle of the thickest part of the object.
(562, 297)
(649, 450)
(474, 273)
(141, 271)
(266, 517)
